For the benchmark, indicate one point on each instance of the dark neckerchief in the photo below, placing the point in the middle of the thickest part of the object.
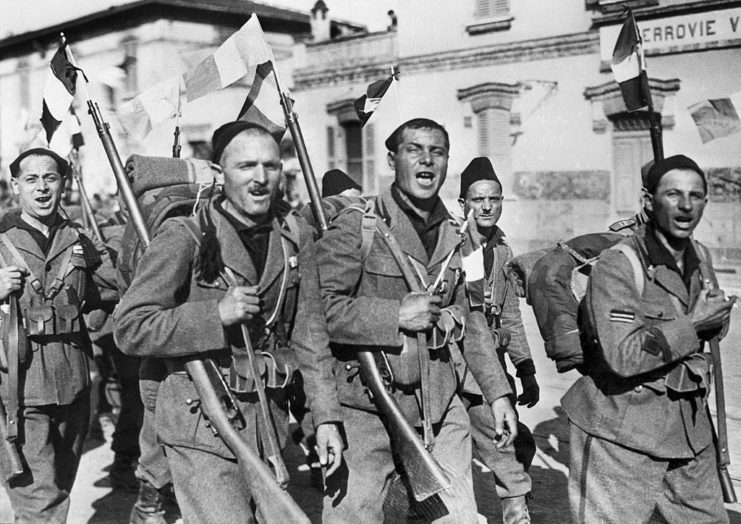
(492, 241)
(255, 239)
(427, 230)
(13, 219)
(659, 255)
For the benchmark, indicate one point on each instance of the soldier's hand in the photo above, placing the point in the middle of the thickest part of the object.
(505, 422)
(11, 279)
(329, 447)
(530, 391)
(711, 311)
(419, 311)
(240, 304)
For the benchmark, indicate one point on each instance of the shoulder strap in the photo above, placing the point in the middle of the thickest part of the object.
(35, 282)
(368, 224)
(639, 274)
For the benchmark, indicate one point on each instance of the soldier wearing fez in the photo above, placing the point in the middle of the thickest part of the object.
(236, 262)
(369, 306)
(481, 193)
(49, 268)
(641, 436)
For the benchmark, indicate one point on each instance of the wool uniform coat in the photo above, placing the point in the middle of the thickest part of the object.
(647, 348)
(58, 370)
(362, 298)
(170, 313)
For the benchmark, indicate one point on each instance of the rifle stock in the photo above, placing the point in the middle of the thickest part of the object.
(425, 475)
(275, 505)
(14, 467)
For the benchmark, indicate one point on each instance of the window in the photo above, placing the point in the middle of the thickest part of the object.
(490, 15)
(630, 150)
(354, 149)
(129, 65)
(331, 153)
(370, 180)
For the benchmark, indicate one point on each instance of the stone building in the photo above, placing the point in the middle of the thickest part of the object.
(528, 84)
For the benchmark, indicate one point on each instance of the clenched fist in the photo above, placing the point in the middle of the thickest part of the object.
(419, 311)
(11, 279)
(240, 304)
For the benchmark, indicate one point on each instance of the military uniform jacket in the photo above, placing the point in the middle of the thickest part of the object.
(169, 313)
(647, 344)
(362, 299)
(504, 313)
(58, 369)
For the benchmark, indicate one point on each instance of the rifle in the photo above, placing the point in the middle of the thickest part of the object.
(269, 495)
(87, 208)
(9, 421)
(425, 475)
(15, 465)
(721, 435)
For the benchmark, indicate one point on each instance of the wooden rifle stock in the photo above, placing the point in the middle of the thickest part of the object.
(275, 505)
(14, 467)
(721, 435)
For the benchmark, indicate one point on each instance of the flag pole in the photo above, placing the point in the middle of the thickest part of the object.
(396, 92)
(87, 208)
(176, 141)
(653, 121)
(124, 184)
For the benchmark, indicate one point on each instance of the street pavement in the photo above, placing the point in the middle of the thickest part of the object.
(94, 501)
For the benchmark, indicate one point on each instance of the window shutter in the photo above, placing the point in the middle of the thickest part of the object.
(483, 131)
(500, 143)
(330, 147)
(369, 156)
(500, 8)
(483, 8)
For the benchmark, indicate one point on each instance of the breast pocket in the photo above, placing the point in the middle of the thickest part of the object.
(656, 313)
(382, 277)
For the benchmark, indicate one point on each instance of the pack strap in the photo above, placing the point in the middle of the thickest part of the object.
(639, 278)
(58, 282)
(571, 251)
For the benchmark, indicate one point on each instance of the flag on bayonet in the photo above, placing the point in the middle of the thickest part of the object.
(59, 91)
(629, 67)
(262, 105)
(366, 104)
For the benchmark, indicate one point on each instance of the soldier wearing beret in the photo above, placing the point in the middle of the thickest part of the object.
(369, 306)
(236, 263)
(50, 268)
(481, 193)
(641, 437)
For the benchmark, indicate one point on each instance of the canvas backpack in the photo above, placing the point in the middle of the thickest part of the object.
(164, 188)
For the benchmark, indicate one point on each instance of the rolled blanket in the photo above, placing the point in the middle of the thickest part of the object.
(152, 172)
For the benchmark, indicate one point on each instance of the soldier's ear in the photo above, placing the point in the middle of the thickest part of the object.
(218, 173)
(14, 185)
(390, 158)
(462, 202)
(648, 201)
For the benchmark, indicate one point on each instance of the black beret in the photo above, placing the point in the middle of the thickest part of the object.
(480, 168)
(336, 181)
(662, 167)
(226, 133)
(62, 164)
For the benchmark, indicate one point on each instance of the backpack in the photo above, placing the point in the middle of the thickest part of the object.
(164, 188)
(555, 281)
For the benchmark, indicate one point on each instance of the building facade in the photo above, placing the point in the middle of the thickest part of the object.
(528, 84)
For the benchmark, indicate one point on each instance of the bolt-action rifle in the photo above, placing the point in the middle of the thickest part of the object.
(276, 506)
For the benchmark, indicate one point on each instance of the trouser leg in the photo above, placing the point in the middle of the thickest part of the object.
(611, 484)
(355, 493)
(126, 435)
(692, 491)
(511, 477)
(209, 488)
(153, 466)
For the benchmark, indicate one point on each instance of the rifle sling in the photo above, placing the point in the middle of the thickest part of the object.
(423, 354)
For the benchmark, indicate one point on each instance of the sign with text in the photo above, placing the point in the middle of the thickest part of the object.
(672, 34)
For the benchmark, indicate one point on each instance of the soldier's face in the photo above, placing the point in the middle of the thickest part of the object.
(484, 198)
(420, 162)
(252, 172)
(39, 186)
(677, 203)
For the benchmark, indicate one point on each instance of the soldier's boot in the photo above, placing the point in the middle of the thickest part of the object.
(148, 506)
(515, 511)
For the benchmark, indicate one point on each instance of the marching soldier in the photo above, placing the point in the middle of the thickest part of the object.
(49, 268)
(641, 436)
(369, 306)
(481, 193)
(235, 263)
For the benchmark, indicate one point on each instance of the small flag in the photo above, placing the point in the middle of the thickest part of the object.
(59, 91)
(77, 139)
(629, 67)
(147, 109)
(239, 54)
(366, 104)
(262, 105)
(715, 118)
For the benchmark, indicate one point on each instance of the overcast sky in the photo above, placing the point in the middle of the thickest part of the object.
(20, 16)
